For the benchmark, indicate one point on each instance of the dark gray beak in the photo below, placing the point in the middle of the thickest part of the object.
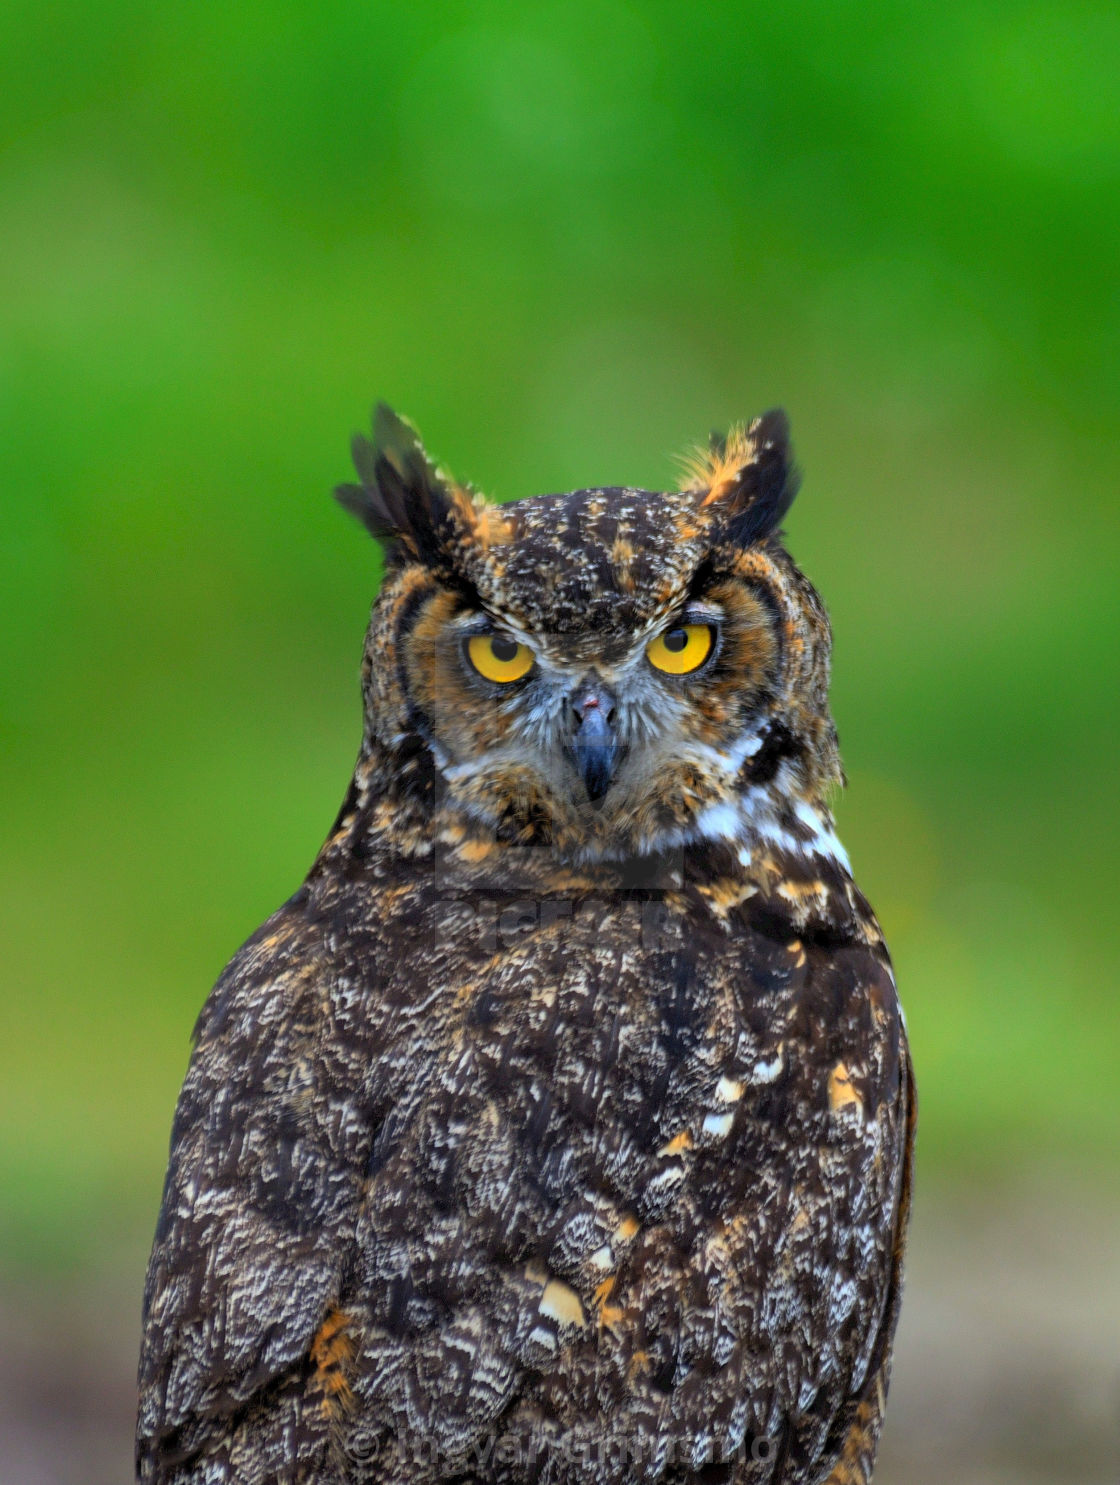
(593, 742)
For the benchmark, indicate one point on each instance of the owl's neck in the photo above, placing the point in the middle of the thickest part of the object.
(767, 822)
(777, 824)
(769, 855)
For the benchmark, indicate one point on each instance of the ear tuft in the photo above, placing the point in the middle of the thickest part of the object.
(747, 480)
(402, 499)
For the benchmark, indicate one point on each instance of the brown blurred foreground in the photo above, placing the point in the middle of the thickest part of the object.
(1007, 1368)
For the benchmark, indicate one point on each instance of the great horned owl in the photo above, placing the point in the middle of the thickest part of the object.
(559, 1127)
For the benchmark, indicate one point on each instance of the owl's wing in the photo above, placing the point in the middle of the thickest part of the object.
(861, 1421)
(264, 1167)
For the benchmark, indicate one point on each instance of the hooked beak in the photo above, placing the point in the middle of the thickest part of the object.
(594, 746)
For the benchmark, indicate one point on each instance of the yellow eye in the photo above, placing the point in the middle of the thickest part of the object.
(498, 658)
(682, 649)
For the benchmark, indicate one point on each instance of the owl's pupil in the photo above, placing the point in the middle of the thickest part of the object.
(503, 649)
(675, 640)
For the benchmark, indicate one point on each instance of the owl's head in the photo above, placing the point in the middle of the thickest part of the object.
(613, 672)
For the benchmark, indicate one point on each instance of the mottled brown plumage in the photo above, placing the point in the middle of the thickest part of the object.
(559, 1127)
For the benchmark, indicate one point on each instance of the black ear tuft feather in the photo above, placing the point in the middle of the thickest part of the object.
(401, 499)
(751, 480)
(767, 486)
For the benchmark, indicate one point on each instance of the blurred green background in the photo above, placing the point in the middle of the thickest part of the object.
(567, 242)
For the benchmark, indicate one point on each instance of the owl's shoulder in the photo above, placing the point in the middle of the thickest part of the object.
(265, 1153)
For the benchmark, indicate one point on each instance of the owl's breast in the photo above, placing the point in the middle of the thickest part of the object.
(634, 1160)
